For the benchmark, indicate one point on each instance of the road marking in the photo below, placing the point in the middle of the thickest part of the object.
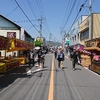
(51, 88)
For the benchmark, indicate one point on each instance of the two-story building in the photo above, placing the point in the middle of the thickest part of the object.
(11, 30)
(95, 28)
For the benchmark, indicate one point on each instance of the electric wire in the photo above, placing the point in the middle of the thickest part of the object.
(66, 11)
(69, 15)
(12, 11)
(25, 15)
(77, 14)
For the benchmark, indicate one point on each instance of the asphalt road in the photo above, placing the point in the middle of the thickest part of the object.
(50, 83)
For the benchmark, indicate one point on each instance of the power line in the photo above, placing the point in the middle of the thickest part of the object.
(69, 14)
(25, 14)
(12, 11)
(78, 14)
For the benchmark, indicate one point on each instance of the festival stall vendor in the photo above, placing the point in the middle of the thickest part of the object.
(94, 47)
(20, 45)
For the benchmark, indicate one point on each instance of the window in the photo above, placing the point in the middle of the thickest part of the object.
(84, 35)
(78, 36)
(75, 37)
(11, 34)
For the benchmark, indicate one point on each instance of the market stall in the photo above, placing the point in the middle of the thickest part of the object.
(5, 63)
(3, 43)
(86, 60)
(94, 47)
(19, 45)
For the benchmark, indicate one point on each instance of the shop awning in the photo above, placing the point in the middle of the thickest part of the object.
(19, 45)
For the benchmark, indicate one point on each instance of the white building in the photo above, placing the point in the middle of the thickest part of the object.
(74, 31)
(11, 30)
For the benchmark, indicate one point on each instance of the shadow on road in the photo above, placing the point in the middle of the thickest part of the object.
(9, 77)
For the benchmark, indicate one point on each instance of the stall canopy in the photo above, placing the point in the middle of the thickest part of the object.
(4, 41)
(18, 45)
(93, 45)
(79, 46)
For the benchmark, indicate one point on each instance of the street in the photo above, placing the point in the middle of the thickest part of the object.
(50, 83)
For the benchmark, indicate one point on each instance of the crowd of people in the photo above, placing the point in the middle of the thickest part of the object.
(58, 53)
(75, 57)
(38, 55)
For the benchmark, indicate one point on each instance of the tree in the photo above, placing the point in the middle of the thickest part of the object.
(38, 43)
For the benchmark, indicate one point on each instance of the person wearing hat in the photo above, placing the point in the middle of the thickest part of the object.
(60, 58)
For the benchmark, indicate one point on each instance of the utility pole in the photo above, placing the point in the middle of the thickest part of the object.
(90, 20)
(40, 26)
(50, 37)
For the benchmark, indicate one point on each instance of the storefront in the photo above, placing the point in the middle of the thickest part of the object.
(6, 64)
(11, 45)
(20, 45)
(94, 47)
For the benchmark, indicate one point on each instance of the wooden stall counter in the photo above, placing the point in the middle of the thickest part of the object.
(6, 65)
(2, 67)
(96, 67)
(22, 60)
(96, 64)
(86, 61)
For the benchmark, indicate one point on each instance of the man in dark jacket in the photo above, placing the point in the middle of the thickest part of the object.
(39, 58)
(60, 58)
(31, 57)
(74, 59)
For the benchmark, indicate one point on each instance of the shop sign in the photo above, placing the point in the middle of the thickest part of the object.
(19, 44)
(91, 43)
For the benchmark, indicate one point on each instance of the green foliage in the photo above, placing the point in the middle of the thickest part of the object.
(38, 43)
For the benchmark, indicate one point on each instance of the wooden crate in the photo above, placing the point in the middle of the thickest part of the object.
(86, 61)
(96, 68)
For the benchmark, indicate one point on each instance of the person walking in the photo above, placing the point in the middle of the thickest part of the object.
(31, 58)
(60, 58)
(39, 53)
(74, 59)
(55, 53)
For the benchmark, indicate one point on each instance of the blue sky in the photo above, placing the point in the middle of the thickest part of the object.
(57, 15)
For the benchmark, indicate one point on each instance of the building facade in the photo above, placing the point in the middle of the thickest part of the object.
(74, 31)
(95, 28)
(11, 30)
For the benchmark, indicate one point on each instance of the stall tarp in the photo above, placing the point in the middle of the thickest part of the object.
(92, 48)
(95, 50)
(19, 45)
(79, 47)
(4, 41)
